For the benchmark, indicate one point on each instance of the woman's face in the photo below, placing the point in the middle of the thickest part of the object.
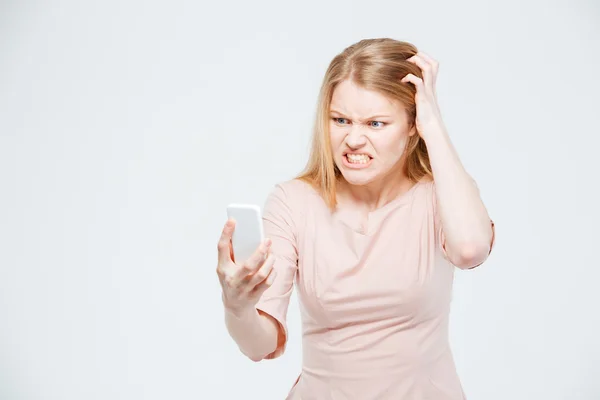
(368, 133)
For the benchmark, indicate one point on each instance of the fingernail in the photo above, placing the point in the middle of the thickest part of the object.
(268, 242)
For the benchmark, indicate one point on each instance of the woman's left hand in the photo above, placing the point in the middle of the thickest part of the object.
(429, 118)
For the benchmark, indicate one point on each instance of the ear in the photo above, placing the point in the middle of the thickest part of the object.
(413, 130)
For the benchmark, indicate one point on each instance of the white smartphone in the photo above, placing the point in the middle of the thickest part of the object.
(248, 233)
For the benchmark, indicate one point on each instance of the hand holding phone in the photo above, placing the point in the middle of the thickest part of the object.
(245, 267)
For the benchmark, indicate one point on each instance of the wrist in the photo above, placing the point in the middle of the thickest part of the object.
(434, 136)
(433, 131)
(240, 312)
(237, 311)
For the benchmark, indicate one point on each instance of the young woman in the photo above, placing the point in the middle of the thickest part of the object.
(371, 233)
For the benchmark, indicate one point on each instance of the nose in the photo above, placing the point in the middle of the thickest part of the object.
(355, 139)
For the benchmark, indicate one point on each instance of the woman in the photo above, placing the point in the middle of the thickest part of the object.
(370, 233)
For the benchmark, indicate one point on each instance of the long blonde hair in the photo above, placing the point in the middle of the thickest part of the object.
(373, 64)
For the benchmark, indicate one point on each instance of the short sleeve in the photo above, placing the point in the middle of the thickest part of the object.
(439, 230)
(279, 226)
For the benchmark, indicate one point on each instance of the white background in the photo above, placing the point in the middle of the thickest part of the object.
(126, 127)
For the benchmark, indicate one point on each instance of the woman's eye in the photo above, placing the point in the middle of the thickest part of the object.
(377, 122)
(338, 120)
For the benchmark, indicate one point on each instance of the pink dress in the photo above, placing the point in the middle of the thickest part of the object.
(375, 302)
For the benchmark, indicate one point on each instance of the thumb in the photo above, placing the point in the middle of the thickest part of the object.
(224, 246)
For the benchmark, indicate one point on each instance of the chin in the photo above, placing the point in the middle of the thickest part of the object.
(358, 178)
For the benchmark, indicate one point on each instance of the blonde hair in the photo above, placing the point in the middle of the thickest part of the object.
(373, 64)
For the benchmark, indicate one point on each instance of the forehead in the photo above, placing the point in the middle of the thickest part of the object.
(355, 101)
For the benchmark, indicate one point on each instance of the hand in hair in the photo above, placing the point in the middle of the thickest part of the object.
(429, 117)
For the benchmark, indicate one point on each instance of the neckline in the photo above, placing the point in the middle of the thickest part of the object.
(355, 220)
(398, 200)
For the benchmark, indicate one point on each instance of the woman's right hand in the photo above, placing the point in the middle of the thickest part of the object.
(244, 282)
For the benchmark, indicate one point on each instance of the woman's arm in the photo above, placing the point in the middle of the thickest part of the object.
(242, 287)
(466, 224)
(260, 328)
(467, 228)
(255, 333)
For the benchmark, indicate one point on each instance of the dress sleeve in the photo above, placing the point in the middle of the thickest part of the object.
(439, 230)
(280, 227)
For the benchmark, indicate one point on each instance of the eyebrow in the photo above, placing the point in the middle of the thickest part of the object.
(367, 119)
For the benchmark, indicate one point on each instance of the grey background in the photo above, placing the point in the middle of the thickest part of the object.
(126, 127)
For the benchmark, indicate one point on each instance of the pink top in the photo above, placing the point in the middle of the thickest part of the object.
(374, 304)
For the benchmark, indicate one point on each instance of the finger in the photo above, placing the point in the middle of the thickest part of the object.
(425, 67)
(415, 80)
(264, 285)
(224, 244)
(256, 260)
(263, 272)
(434, 64)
